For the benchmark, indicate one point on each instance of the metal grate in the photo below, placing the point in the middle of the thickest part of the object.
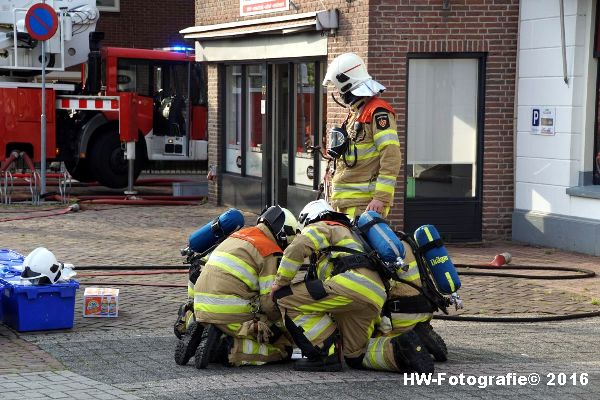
(176, 168)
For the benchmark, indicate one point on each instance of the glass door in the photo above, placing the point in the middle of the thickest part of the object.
(443, 169)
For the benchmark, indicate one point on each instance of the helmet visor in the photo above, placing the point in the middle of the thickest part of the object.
(28, 273)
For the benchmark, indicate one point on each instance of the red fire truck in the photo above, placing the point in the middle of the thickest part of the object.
(130, 103)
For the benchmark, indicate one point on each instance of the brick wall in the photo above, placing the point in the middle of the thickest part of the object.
(491, 26)
(214, 126)
(147, 24)
(383, 32)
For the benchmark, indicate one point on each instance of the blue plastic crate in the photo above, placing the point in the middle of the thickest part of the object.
(8, 259)
(39, 307)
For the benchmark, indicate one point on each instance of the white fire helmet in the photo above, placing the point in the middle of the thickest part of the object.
(349, 75)
(41, 263)
(312, 211)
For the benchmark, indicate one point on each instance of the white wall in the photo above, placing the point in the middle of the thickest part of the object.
(545, 166)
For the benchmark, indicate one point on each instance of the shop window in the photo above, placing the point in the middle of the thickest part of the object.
(233, 118)
(305, 114)
(255, 85)
(442, 128)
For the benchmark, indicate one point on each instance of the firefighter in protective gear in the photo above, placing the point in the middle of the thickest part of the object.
(236, 321)
(343, 291)
(365, 173)
(366, 146)
(407, 317)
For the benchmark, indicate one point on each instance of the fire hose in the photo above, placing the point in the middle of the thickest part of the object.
(577, 273)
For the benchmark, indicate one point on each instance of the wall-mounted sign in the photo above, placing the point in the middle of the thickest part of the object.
(543, 121)
(310, 172)
(253, 7)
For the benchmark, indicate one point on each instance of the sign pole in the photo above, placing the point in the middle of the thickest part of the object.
(41, 22)
(43, 125)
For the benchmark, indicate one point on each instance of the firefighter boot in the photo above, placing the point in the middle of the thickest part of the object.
(207, 347)
(329, 363)
(186, 346)
(326, 359)
(432, 341)
(410, 354)
(183, 315)
(221, 353)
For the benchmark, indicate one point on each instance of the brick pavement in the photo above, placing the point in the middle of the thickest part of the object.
(57, 385)
(19, 355)
(139, 344)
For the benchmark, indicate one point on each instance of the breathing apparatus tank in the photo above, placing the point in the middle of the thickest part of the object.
(381, 237)
(216, 230)
(438, 260)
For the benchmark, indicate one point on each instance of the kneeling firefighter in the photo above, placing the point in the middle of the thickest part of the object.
(343, 291)
(237, 323)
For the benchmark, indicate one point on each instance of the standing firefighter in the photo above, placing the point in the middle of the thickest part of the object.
(343, 291)
(236, 321)
(368, 159)
(366, 146)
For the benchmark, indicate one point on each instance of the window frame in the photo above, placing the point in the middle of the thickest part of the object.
(481, 77)
(116, 7)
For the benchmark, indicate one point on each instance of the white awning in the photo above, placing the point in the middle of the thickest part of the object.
(287, 36)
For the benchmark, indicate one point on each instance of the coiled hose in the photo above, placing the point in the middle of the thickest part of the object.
(578, 273)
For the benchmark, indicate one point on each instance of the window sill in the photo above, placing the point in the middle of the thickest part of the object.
(587, 191)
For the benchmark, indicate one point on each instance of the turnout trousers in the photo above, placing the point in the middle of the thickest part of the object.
(317, 319)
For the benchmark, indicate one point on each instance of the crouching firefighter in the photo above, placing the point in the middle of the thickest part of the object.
(410, 310)
(237, 322)
(342, 293)
(410, 305)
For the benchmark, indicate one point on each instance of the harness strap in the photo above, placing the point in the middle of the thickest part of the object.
(376, 220)
(437, 243)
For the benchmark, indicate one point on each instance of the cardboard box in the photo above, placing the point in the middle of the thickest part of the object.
(101, 302)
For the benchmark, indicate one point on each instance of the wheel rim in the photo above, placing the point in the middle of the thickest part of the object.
(117, 160)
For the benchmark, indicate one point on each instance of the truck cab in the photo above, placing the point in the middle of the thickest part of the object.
(169, 91)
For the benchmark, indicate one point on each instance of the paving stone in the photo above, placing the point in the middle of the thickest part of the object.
(132, 356)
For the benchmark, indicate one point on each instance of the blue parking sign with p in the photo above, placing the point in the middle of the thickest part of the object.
(535, 117)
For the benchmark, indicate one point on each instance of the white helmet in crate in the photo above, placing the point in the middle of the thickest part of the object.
(41, 263)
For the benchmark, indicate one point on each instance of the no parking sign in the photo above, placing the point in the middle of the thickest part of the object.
(41, 21)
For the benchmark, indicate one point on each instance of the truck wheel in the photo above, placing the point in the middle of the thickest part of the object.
(80, 170)
(108, 164)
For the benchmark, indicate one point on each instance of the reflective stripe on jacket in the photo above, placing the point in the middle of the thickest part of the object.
(239, 270)
(318, 236)
(378, 157)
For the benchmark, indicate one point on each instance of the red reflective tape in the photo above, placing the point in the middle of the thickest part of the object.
(114, 104)
(64, 103)
(83, 104)
(98, 103)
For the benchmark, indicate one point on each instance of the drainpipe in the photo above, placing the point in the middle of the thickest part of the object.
(562, 41)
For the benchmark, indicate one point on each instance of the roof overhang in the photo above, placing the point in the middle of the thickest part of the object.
(285, 36)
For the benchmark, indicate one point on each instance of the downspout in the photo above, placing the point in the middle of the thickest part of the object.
(562, 41)
(516, 117)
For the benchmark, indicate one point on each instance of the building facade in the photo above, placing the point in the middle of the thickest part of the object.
(557, 193)
(450, 72)
(144, 24)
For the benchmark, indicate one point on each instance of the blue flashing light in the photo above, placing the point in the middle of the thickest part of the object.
(179, 49)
